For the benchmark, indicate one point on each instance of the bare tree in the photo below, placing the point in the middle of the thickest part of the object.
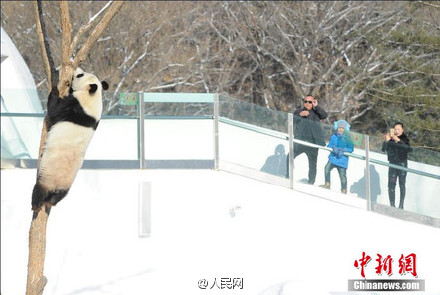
(267, 53)
(70, 60)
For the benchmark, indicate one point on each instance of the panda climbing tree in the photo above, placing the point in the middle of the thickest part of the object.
(70, 124)
(73, 112)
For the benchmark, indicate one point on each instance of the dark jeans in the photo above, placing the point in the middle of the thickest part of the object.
(342, 174)
(312, 155)
(393, 174)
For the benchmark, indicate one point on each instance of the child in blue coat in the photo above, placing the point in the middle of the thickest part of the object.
(341, 143)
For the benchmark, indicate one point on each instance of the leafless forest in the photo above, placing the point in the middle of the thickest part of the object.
(371, 63)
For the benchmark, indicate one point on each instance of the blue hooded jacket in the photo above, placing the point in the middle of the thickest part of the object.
(341, 142)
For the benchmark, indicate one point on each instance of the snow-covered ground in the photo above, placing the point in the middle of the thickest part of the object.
(205, 224)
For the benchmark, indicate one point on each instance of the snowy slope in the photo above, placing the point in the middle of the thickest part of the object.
(204, 225)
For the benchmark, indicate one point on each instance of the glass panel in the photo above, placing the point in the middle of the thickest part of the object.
(419, 191)
(253, 137)
(178, 109)
(425, 156)
(20, 137)
(253, 150)
(250, 136)
(120, 138)
(351, 178)
(179, 139)
(422, 191)
(241, 111)
(416, 189)
(22, 100)
(21, 131)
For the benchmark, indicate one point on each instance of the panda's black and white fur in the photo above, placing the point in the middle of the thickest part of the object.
(71, 122)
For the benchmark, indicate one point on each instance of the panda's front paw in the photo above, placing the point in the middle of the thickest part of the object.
(52, 100)
(55, 91)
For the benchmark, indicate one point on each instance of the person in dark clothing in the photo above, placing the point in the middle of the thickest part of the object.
(397, 147)
(308, 128)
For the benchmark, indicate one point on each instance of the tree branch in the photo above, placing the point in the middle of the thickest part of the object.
(66, 69)
(46, 53)
(84, 29)
(83, 52)
(429, 4)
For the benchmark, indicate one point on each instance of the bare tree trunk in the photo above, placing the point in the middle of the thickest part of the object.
(66, 70)
(37, 232)
(36, 281)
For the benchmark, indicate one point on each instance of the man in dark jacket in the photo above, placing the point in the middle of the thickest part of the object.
(308, 128)
(397, 148)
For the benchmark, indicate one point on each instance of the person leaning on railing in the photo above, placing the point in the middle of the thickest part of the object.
(397, 147)
(308, 128)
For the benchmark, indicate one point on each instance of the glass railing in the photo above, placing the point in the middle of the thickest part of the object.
(217, 131)
(421, 185)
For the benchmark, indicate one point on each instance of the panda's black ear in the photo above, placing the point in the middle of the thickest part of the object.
(104, 85)
(93, 88)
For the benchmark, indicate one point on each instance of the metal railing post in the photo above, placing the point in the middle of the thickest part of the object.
(216, 131)
(367, 172)
(291, 162)
(141, 130)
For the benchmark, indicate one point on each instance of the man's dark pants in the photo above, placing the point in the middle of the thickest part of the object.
(312, 155)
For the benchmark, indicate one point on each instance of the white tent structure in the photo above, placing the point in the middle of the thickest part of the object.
(20, 135)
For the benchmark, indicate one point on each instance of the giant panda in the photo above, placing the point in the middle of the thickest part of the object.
(71, 122)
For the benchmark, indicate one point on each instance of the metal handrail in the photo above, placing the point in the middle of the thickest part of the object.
(371, 160)
(285, 136)
(247, 126)
(23, 115)
(255, 128)
(42, 115)
(140, 116)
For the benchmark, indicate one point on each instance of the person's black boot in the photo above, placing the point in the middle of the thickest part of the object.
(392, 196)
(402, 197)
